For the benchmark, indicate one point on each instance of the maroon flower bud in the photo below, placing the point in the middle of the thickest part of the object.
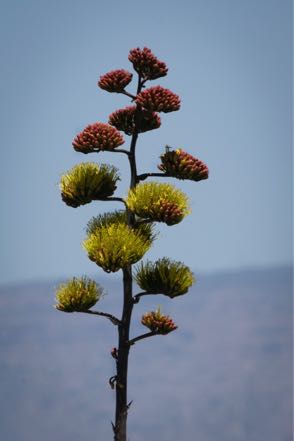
(114, 353)
(157, 322)
(125, 120)
(146, 64)
(96, 137)
(182, 165)
(158, 99)
(115, 81)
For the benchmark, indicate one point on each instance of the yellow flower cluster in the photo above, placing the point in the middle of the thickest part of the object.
(158, 202)
(113, 245)
(77, 295)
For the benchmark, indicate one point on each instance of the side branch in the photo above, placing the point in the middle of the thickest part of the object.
(110, 317)
(124, 92)
(148, 175)
(144, 221)
(113, 199)
(137, 297)
(141, 337)
(120, 151)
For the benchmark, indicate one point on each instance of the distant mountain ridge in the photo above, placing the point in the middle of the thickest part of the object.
(225, 374)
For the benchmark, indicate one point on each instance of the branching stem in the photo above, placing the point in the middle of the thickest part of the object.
(120, 151)
(124, 92)
(137, 297)
(142, 336)
(110, 317)
(113, 199)
(149, 175)
(144, 221)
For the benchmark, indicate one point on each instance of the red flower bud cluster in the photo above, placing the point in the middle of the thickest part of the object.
(115, 81)
(182, 165)
(158, 99)
(147, 64)
(96, 137)
(125, 120)
(157, 322)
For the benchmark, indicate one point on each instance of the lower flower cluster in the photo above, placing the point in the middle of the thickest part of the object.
(158, 322)
(113, 245)
(164, 276)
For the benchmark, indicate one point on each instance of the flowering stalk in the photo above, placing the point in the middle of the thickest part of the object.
(117, 240)
(122, 406)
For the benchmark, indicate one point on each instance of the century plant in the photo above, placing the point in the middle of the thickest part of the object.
(119, 239)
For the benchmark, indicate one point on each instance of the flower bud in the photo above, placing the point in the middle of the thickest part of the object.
(114, 353)
(115, 81)
(97, 137)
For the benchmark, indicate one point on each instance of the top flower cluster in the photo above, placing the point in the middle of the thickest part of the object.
(145, 63)
(141, 116)
(148, 67)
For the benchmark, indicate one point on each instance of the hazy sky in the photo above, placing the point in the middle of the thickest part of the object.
(229, 60)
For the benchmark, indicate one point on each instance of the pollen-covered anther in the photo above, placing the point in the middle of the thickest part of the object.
(158, 99)
(158, 322)
(147, 64)
(98, 137)
(115, 80)
(129, 119)
(182, 165)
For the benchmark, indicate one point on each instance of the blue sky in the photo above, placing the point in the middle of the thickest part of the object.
(229, 60)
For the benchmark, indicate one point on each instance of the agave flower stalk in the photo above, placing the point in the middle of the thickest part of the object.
(119, 239)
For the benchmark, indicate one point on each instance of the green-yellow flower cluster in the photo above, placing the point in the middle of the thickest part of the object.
(158, 202)
(113, 245)
(77, 295)
(164, 277)
(87, 182)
